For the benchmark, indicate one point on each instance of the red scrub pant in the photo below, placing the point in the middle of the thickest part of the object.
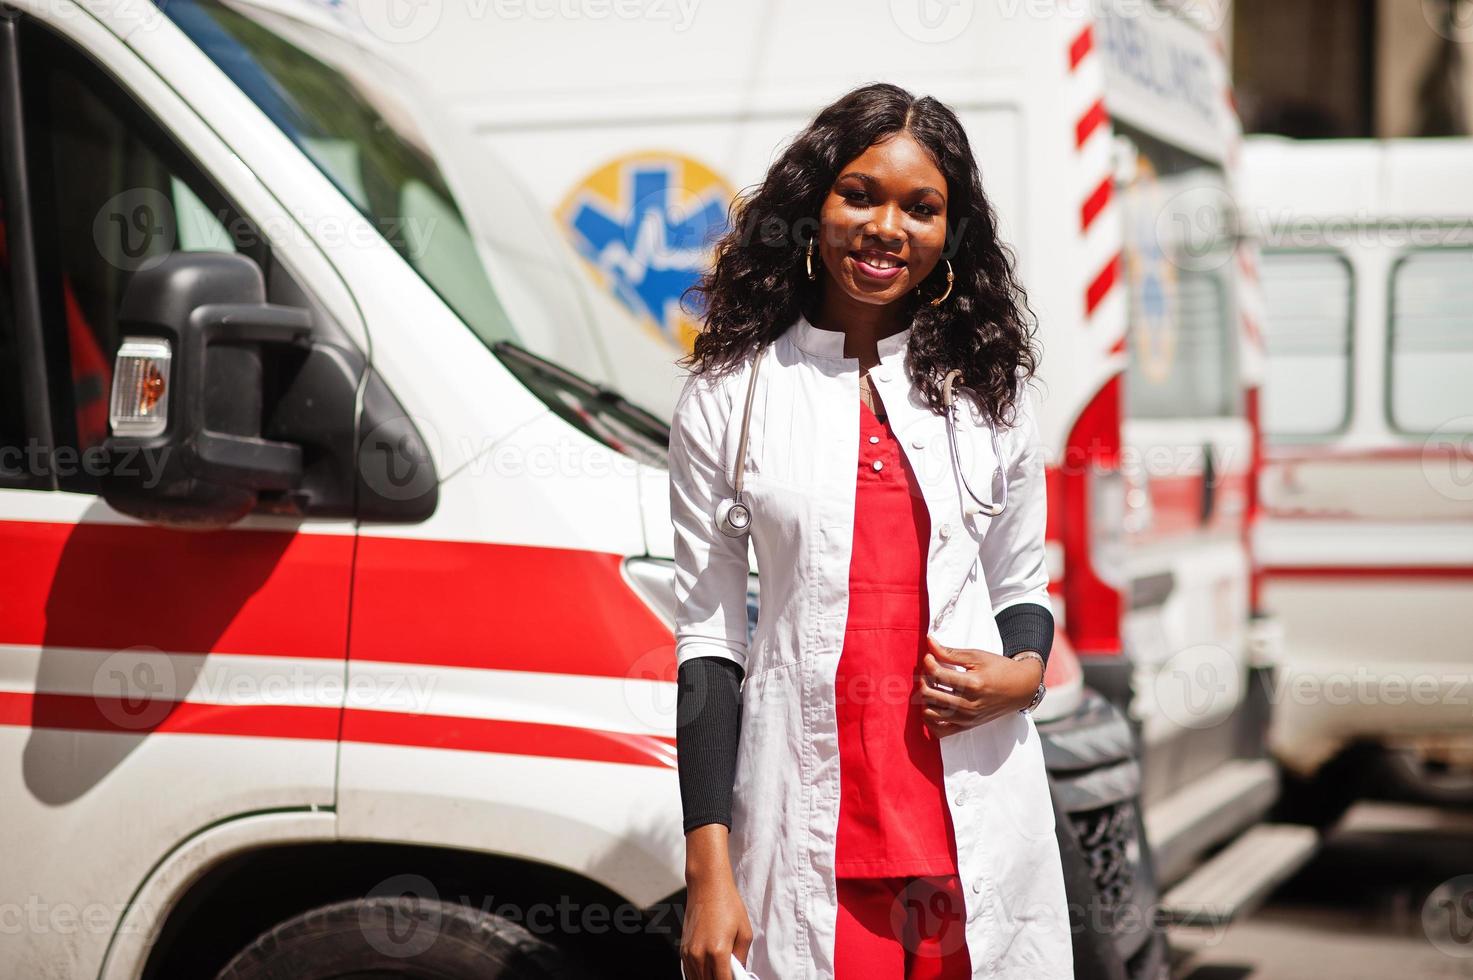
(907, 928)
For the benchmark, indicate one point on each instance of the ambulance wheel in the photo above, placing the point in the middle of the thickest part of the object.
(406, 937)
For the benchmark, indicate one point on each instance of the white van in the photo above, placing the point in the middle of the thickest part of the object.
(1367, 538)
(327, 641)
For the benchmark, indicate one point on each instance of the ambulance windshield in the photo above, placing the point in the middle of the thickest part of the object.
(366, 126)
(364, 143)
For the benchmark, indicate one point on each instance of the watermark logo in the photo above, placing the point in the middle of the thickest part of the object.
(135, 689)
(396, 925)
(1450, 19)
(400, 21)
(1197, 686)
(135, 229)
(1447, 916)
(1447, 459)
(932, 21)
(393, 463)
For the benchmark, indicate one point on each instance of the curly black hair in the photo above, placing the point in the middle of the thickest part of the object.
(757, 285)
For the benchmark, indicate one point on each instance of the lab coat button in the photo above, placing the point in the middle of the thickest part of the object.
(960, 799)
(945, 531)
(977, 886)
(919, 442)
(883, 375)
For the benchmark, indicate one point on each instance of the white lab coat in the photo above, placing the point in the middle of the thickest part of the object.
(800, 481)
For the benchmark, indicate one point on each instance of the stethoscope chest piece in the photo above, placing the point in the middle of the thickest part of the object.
(733, 517)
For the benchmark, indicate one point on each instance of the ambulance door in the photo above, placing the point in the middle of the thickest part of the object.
(154, 682)
(1187, 451)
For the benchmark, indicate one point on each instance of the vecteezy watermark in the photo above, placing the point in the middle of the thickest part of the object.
(1447, 459)
(409, 21)
(138, 228)
(1447, 916)
(932, 21)
(1196, 228)
(401, 928)
(136, 689)
(1284, 227)
(35, 916)
(145, 466)
(1198, 686)
(1450, 19)
(396, 465)
(404, 913)
(1207, 14)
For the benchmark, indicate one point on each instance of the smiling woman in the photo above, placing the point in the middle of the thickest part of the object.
(863, 786)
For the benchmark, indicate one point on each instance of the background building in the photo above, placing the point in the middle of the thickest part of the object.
(1347, 68)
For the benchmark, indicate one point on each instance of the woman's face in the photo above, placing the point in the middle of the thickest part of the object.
(883, 224)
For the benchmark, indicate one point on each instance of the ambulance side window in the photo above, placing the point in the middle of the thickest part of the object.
(112, 194)
(1309, 299)
(1430, 342)
(14, 470)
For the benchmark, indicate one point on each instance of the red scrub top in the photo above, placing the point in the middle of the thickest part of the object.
(893, 818)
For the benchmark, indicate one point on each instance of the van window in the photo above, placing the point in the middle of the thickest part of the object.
(14, 464)
(112, 194)
(1180, 364)
(1430, 352)
(1181, 355)
(361, 135)
(1308, 300)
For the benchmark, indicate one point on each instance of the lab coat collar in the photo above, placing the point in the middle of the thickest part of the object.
(830, 343)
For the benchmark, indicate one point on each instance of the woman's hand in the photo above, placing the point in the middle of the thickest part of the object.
(991, 686)
(716, 924)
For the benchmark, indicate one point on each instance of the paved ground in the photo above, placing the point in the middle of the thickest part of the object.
(1383, 900)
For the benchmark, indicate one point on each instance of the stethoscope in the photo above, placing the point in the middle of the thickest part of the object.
(734, 517)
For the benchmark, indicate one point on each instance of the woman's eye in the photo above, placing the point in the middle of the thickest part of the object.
(925, 209)
(853, 195)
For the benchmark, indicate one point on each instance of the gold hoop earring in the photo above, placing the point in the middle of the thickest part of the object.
(808, 261)
(949, 280)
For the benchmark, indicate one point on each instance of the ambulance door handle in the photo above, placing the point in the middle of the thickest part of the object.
(1209, 482)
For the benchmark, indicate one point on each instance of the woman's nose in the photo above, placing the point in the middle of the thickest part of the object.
(886, 223)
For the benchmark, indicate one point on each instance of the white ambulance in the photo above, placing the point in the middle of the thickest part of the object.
(1367, 537)
(338, 625)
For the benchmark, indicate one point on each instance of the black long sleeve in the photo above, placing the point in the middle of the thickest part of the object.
(707, 732)
(1027, 626)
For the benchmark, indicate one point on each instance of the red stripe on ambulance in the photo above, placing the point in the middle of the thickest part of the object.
(1102, 283)
(1094, 117)
(1083, 44)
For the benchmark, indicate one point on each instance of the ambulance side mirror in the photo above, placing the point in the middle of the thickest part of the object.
(188, 388)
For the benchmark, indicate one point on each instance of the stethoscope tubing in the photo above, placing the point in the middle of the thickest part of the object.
(734, 517)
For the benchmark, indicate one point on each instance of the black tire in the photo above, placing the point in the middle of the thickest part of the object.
(1109, 872)
(1095, 954)
(407, 937)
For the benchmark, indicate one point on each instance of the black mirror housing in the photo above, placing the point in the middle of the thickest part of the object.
(208, 466)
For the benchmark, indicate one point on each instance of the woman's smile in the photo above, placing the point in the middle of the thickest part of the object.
(877, 265)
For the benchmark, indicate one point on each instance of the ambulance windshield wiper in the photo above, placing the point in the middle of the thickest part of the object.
(601, 411)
